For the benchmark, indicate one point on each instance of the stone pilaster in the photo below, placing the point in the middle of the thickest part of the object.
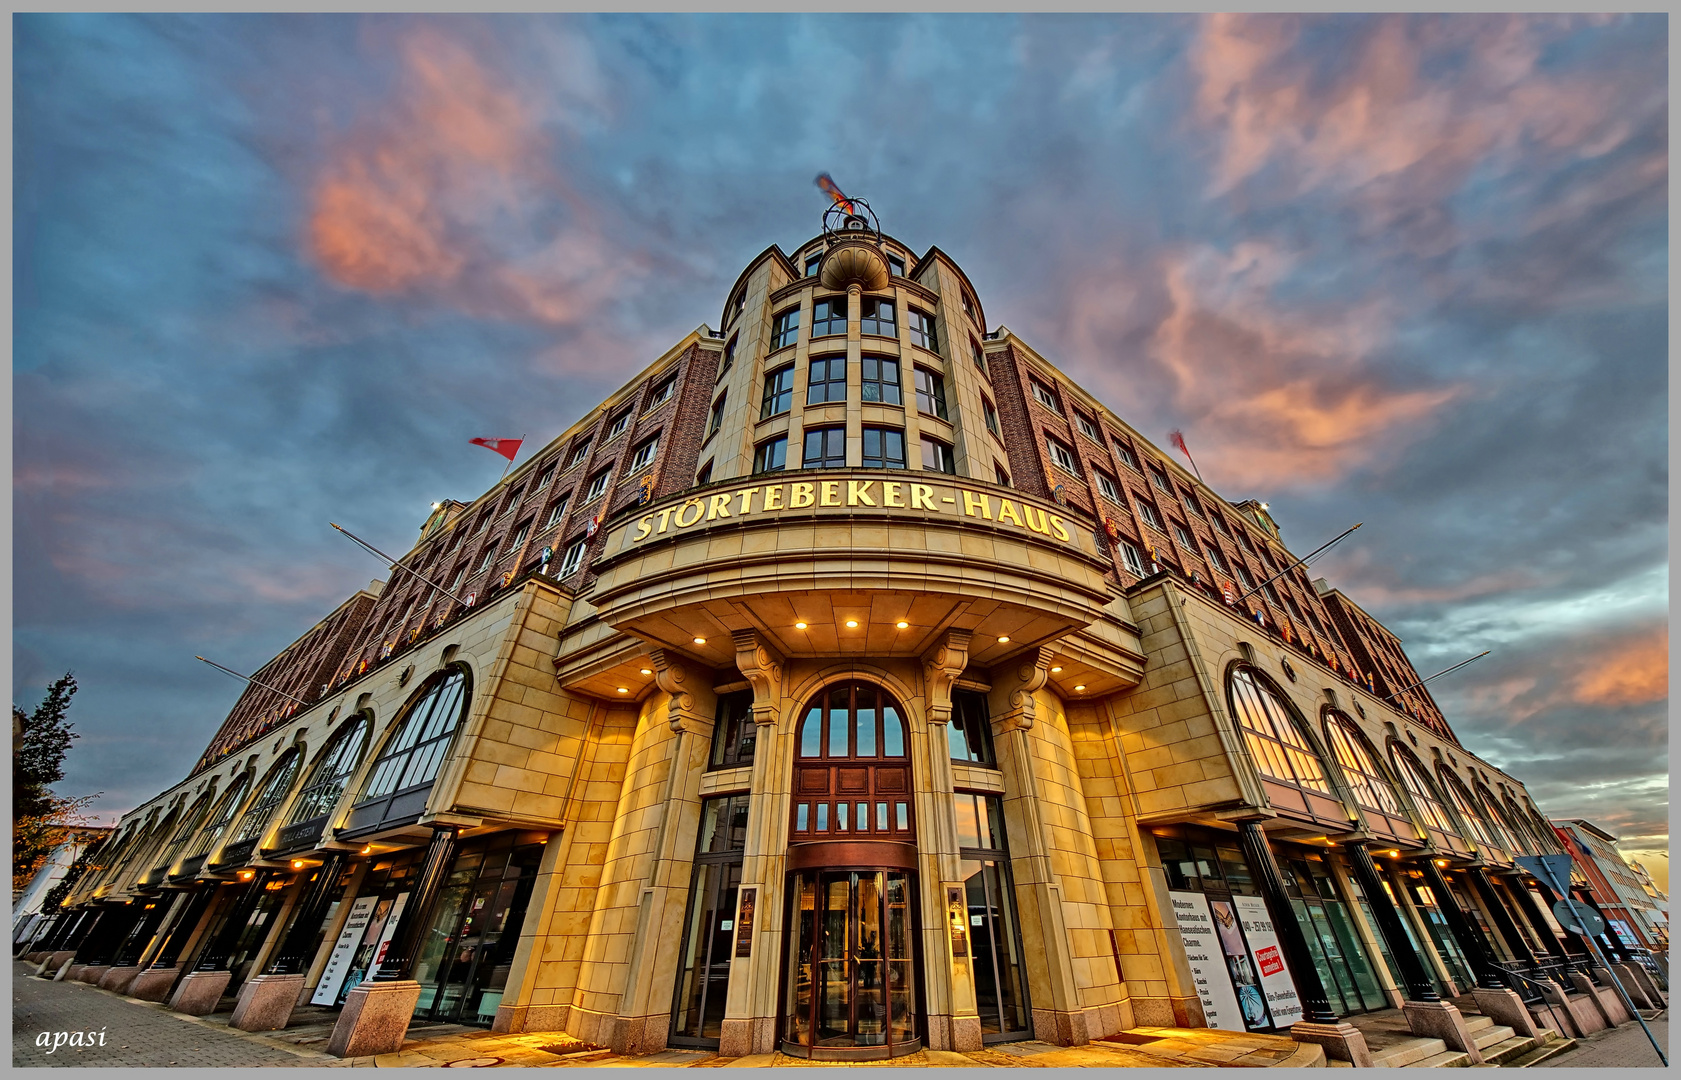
(953, 1022)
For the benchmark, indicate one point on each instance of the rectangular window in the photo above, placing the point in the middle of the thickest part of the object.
(1134, 561)
(937, 457)
(969, 307)
(1107, 487)
(557, 511)
(922, 330)
(1214, 559)
(779, 392)
(1148, 513)
(825, 448)
(1045, 396)
(980, 822)
(876, 317)
(969, 733)
(1243, 576)
(1219, 524)
(579, 453)
(771, 455)
(930, 392)
(705, 474)
(729, 356)
(1087, 427)
(991, 415)
(896, 266)
(662, 393)
(644, 454)
(488, 560)
(979, 356)
(1184, 538)
(1000, 475)
(460, 576)
(1190, 500)
(828, 317)
(1062, 456)
(717, 420)
(826, 380)
(598, 485)
(520, 534)
(514, 497)
(785, 328)
(884, 448)
(1159, 478)
(544, 478)
(812, 262)
(573, 558)
(881, 380)
(1124, 453)
(617, 426)
(484, 522)
(734, 732)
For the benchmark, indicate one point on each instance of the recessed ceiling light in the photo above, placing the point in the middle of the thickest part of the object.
(852, 624)
(1056, 669)
(647, 671)
(700, 641)
(624, 689)
(799, 626)
(1082, 686)
(297, 864)
(1394, 854)
(903, 625)
(1005, 640)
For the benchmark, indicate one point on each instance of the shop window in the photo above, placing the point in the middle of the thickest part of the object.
(327, 778)
(1279, 749)
(463, 964)
(969, 734)
(994, 929)
(710, 928)
(402, 776)
(881, 380)
(733, 730)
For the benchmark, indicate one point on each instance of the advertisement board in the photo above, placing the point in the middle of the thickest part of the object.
(1280, 991)
(344, 951)
(1208, 968)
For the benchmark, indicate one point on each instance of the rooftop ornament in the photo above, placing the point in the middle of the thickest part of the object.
(852, 243)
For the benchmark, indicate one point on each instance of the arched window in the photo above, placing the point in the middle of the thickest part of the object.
(852, 776)
(1280, 750)
(219, 821)
(1468, 812)
(402, 775)
(1495, 820)
(189, 825)
(852, 720)
(1521, 826)
(274, 789)
(1424, 794)
(332, 771)
(1371, 787)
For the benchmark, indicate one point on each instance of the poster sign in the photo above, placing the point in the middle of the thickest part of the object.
(744, 924)
(388, 932)
(1202, 952)
(1240, 964)
(1280, 991)
(344, 951)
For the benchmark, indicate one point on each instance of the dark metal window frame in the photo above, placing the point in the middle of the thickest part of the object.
(882, 459)
(829, 438)
(873, 373)
(393, 781)
(779, 392)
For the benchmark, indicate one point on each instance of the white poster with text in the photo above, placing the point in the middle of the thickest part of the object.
(1208, 968)
(344, 951)
(1282, 1002)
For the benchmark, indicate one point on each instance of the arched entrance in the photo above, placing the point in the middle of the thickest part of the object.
(853, 978)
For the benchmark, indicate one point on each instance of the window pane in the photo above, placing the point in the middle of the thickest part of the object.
(839, 728)
(811, 733)
(893, 732)
(865, 722)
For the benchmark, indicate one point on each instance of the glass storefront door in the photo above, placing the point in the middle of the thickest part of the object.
(851, 979)
(465, 958)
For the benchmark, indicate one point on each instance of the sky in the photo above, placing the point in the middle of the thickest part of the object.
(272, 271)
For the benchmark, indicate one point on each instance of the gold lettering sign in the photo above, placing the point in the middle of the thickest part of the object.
(813, 498)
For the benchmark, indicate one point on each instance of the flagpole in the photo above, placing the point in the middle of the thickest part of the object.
(397, 565)
(1438, 675)
(510, 463)
(1295, 564)
(1178, 438)
(249, 679)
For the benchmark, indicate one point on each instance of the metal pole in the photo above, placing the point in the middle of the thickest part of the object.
(1577, 915)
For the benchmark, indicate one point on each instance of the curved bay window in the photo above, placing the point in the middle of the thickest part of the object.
(1425, 798)
(219, 822)
(709, 927)
(321, 792)
(733, 732)
(401, 779)
(1366, 778)
(969, 734)
(256, 817)
(994, 928)
(840, 790)
(1290, 767)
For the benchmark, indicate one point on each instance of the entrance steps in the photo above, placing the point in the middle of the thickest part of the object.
(1393, 1046)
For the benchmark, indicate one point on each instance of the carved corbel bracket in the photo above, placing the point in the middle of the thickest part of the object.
(941, 666)
(672, 677)
(1032, 672)
(762, 667)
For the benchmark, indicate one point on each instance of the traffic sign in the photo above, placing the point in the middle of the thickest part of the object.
(1572, 916)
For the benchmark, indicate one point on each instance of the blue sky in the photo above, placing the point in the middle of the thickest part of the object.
(272, 271)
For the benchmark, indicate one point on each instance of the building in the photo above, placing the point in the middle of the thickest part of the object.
(1635, 927)
(849, 681)
(26, 906)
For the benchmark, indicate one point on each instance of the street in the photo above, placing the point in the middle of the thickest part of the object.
(1621, 1048)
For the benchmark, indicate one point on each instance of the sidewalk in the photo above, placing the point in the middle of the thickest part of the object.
(1624, 1047)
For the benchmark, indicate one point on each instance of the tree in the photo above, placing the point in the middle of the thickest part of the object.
(41, 820)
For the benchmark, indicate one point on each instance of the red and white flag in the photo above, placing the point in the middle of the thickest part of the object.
(508, 448)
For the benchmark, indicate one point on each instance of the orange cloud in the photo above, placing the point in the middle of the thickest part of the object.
(1630, 673)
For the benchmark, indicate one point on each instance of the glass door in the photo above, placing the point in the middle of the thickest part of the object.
(851, 981)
